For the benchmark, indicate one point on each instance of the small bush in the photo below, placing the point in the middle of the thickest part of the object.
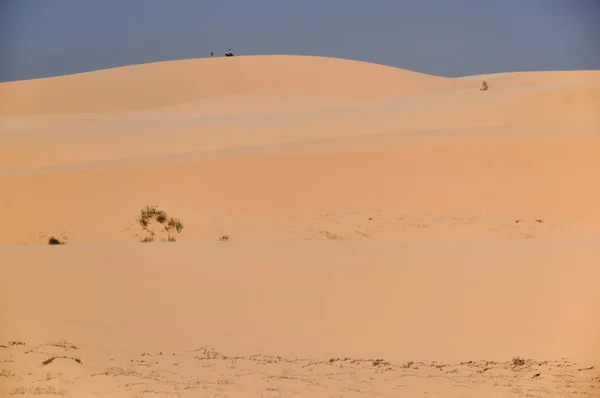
(150, 213)
(517, 361)
(224, 238)
(146, 215)
(484, 86)
(55, 241)
(174, 223)
(161, 216)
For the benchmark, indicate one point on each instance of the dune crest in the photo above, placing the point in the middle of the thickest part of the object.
(163, 84)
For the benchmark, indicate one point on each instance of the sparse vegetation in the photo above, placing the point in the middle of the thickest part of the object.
(170, 224)
(63, 343)
(174, 223)
(224, 238)
(6, 373)
(147, 213)
(408, 365)
(170, 238)
(380, 362)
(161, 216)
(39, 390)
(330, 235)
(55, 241)
(137, 369)
(517, 361)
(114, 371)
(484, 86)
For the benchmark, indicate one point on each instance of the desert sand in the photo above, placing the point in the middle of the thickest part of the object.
(348, 230)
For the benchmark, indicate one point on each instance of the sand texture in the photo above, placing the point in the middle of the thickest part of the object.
(317, 228)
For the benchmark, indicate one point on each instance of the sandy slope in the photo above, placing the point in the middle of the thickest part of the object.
(170, 83)
(466, 227)
(306, 302)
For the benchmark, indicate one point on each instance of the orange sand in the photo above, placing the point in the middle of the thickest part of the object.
(372, 213)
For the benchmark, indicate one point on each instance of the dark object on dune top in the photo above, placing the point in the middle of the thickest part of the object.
(229, 53)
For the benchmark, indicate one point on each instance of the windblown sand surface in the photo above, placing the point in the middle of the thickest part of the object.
(349, 230)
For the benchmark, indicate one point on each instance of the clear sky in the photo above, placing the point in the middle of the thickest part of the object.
(40, 38)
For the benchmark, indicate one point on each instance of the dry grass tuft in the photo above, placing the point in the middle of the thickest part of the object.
(63, 343)
(170, 224)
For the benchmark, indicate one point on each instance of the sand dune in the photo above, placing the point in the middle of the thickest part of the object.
(288, 310)
(169, 83)
(371, 212)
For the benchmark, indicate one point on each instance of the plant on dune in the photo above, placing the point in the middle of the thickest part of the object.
(224, 238)
(153, 213)
(484, 86)
(174, 223)
(63, 343)
(55, 241)
(170, 238)
(146, 215)
(408, 365)
(160, 216)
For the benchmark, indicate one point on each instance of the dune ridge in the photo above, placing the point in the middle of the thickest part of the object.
(169, 83)
(340, 220)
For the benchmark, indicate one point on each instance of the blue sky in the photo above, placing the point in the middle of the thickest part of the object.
(40, 38)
